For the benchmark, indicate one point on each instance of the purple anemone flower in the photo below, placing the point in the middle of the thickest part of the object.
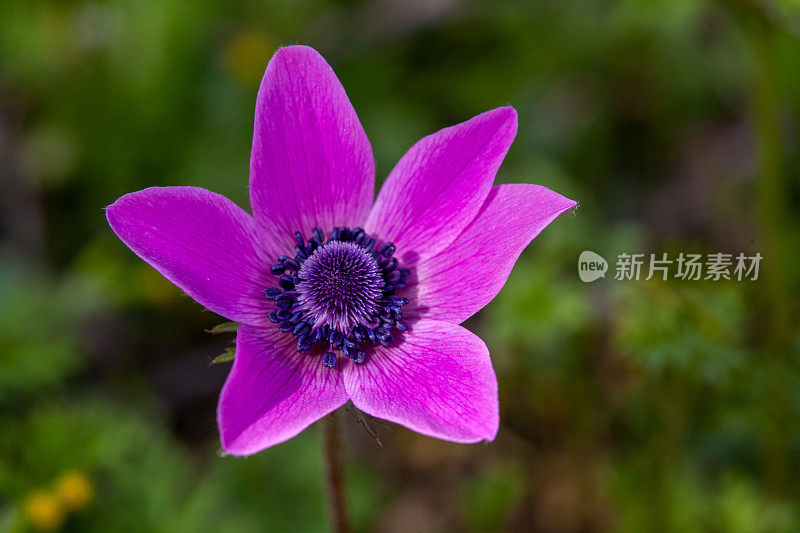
(341, 298)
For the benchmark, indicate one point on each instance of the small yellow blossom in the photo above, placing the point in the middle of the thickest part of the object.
(75, 490)
(245, 53)
(44, 510)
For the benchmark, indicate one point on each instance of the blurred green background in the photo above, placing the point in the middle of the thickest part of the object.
(626, 405)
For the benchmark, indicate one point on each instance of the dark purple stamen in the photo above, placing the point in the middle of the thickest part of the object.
(340, 293)
(329, 359)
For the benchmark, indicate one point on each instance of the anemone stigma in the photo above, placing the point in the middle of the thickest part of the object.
(340, 293)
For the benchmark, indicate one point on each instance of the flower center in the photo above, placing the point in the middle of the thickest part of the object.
(340, 284)
(340, 293)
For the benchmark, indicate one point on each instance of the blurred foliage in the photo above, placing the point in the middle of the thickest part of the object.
(144, 481)
(39, 349)
(626, 406)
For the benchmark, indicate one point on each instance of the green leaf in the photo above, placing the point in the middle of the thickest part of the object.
(224, 357)
(225, 327)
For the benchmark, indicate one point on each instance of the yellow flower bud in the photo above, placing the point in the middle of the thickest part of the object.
(244, 57)
(75, 490)
(44, 510)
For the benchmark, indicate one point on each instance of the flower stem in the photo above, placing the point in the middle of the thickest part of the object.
(773, 190)
(775, 305)
(334, 469)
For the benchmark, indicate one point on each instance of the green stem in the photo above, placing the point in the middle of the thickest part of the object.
(334, 468)
(772, 194)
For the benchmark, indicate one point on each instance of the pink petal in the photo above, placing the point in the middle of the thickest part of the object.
(437, 380)
(311, 163)
(440, 184)
(468, 274)
(273, 392)
(203, 243)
